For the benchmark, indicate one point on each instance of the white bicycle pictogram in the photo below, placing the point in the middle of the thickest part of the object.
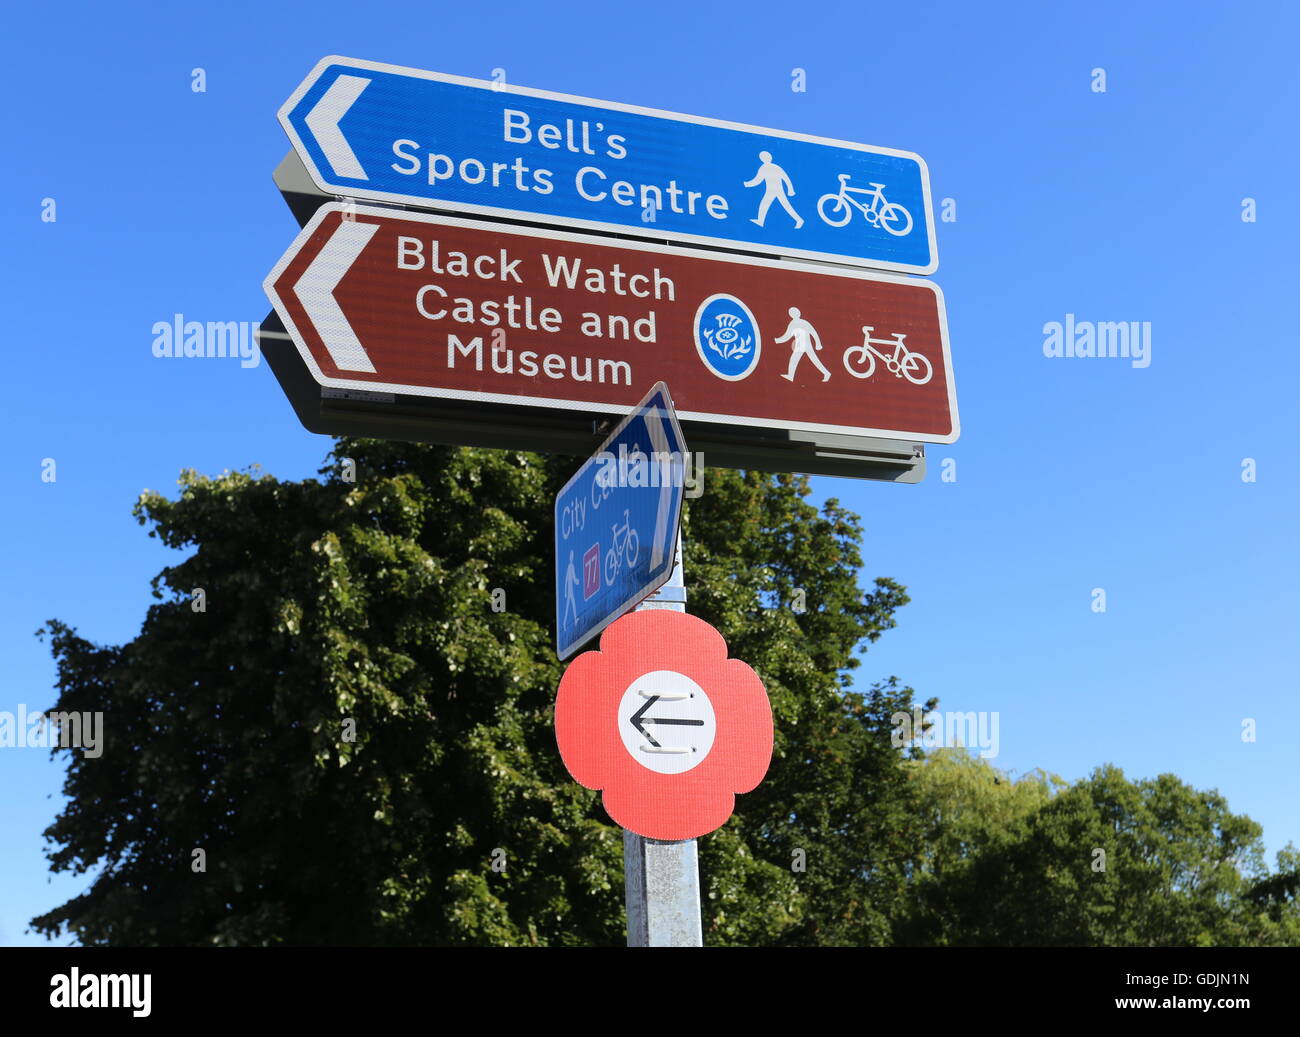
(837, 209)
(902, 363)
(626, 545)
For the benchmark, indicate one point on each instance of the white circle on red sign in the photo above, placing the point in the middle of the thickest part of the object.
(666, 722)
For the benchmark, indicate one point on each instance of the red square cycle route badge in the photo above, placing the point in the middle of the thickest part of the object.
(591, 571)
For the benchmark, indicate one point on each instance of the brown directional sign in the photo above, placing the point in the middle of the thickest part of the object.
(471, 311)
(386, 304)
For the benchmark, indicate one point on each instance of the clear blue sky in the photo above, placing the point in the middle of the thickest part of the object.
(1071, 473)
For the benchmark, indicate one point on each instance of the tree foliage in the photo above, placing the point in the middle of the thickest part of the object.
(370, 604)
(1103, 862)
(354, 725)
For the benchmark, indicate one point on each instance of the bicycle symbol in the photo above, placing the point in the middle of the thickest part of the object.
(837, 209)
(904, 363)
(626, 545)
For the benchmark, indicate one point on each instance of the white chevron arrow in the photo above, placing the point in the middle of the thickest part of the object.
(323, 121)
(315, 290)
(659, 443)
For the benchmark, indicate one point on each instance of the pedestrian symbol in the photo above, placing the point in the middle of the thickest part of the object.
(806, 340)
(776, 188)
(570, 582)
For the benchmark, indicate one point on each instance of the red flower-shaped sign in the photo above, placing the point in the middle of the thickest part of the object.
(664, 724)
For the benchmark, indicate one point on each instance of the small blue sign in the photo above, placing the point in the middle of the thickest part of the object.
(392, 134)
(617, 520)
(727, 337)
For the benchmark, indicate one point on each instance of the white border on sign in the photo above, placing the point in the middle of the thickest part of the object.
(353, 191)
(307, 231)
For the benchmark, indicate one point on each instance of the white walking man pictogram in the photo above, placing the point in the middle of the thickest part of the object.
(776, 184)
(805, 340)
(570, 603)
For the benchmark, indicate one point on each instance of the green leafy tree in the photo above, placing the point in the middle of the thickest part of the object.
(968, 808)
(357, 725)
(1276, 898)
(1103, 862)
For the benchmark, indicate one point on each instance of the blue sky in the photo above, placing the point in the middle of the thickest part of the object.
(1072, 474)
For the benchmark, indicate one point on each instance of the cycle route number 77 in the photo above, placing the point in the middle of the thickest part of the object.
(616, 522)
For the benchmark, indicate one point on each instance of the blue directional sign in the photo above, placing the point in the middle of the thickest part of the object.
(435, 141)
(616, 522)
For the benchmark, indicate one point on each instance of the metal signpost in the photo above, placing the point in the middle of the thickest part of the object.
(634, 485)
(661, 879)
(528, 326)
(385, 133)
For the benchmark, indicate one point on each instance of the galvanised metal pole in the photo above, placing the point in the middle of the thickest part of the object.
(661, 880)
